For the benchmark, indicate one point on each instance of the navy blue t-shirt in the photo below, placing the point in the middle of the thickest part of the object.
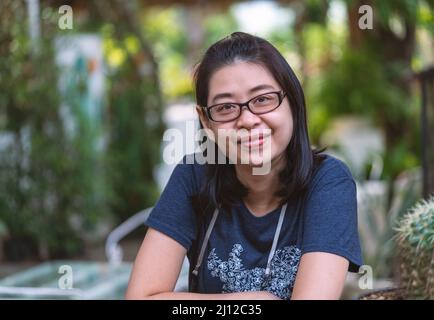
(325, 220)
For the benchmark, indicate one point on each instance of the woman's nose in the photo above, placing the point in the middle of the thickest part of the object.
(247, 119)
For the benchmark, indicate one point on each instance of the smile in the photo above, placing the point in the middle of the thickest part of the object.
(253, 141)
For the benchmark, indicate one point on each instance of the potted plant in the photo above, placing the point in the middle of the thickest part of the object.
(415, 245)
(415, 240)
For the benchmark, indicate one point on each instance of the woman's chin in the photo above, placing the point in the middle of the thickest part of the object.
(252, 161)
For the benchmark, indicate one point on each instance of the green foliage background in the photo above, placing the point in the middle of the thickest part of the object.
(55, 188)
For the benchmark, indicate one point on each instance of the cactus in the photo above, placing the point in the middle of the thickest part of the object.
(415, 239)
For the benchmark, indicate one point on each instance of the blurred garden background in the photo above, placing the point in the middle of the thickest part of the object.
(83, 110)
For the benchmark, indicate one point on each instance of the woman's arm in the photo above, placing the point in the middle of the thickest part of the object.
(320, 276)
(157, 266)
(157, 269)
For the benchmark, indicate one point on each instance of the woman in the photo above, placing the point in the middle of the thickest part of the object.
(289, 232)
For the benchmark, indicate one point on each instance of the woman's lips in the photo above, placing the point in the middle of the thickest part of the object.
(255, 141)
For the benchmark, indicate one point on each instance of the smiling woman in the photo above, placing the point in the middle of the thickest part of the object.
(288, 233)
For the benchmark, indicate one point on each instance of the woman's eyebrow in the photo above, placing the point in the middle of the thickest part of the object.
(252, 90)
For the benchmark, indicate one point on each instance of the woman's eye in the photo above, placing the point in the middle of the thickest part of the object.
(225, 107)
(262, 99)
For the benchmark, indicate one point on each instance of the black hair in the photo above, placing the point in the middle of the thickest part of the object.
(222, 187)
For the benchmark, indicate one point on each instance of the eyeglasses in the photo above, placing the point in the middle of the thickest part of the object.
(229, 111)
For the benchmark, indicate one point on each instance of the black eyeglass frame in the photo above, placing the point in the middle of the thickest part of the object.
(281, 95)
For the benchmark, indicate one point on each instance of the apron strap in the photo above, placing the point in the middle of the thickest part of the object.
(276, 238)
(205, 242)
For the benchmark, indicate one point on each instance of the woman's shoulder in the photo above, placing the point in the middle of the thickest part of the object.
(191, 162)
(329, 170)
(189, 169)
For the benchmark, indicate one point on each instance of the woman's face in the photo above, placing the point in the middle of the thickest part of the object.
(260, 138)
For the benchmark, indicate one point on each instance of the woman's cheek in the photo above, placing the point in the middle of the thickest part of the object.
(282, 137)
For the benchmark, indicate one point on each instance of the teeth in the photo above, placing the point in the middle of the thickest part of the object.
(253, 142)
(252, 138)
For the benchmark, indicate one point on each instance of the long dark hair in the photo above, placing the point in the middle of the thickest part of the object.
(222, 187)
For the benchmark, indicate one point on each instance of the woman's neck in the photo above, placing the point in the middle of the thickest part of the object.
(261, 197)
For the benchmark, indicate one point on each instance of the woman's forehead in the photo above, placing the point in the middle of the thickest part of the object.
(239, 78)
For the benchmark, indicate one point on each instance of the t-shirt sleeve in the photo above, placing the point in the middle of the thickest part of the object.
(330, 222)
(173, 214)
